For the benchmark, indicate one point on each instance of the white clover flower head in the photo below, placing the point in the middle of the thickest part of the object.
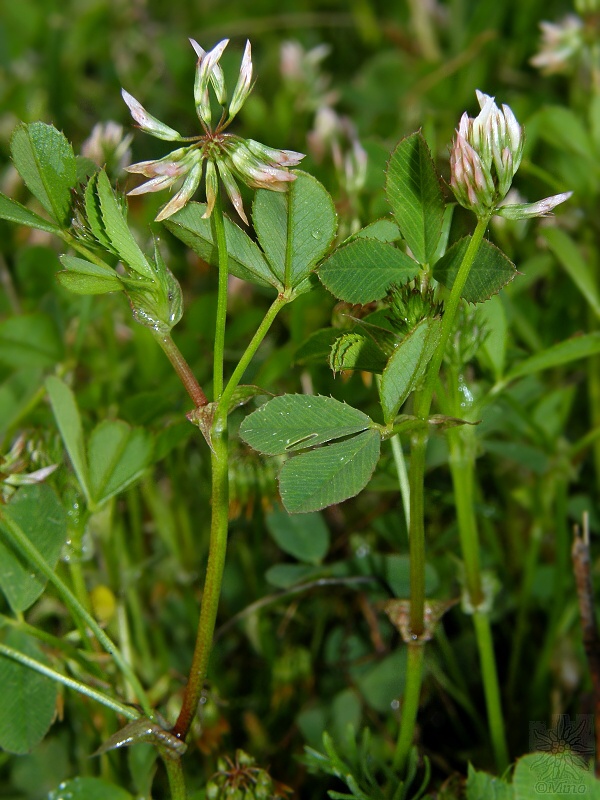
(227, 157)
(108, 144)
(485, 155)
(302, 71)
(561, 45)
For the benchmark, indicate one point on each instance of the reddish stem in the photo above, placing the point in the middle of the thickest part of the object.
(182, 368)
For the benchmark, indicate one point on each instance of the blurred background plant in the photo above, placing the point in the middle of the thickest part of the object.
(342, 82)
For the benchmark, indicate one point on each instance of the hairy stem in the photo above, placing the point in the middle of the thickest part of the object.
(214, 576)
(262, 330)
(422, 406)
(403, 483)
(491, 688)
(182, 368)
(462, 465)
(176, 779)
(219, 351)
(219, 500)
(410, 705)
(417, 532)
(451, 305)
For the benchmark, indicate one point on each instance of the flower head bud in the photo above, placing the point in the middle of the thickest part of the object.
(485, 156)
(471, 182)
(244, 84)
(147, 122)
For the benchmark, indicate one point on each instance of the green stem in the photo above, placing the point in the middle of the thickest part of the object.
(491, 688)
(26, 547)
(422, 406)
(520, 627)
(400, 463)
(461, 466)
(219, 499)
(462, 460)
(219, 351)
(417, 532)
(78, 580)
(125, 642)
(419, 439)
(280, 301)
(423, 402)
(214, 576)
(410, 705)
(220, 486)
(82, 249)
(176, 779)
(56, 643)
(82, 688)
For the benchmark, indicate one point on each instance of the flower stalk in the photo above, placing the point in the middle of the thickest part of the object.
(422, 406)
(228, 158)
(485, 156)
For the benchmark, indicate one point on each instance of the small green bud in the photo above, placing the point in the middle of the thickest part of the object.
(408, 306)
